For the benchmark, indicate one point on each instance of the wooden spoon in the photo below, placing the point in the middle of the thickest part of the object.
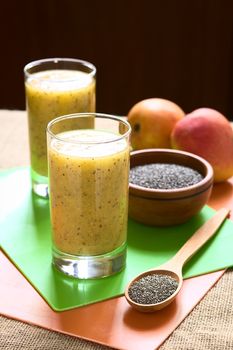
(173, 267)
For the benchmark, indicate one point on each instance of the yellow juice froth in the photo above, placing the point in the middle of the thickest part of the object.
(89, 193)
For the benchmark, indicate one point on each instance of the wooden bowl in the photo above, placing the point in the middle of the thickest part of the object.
(174, 206)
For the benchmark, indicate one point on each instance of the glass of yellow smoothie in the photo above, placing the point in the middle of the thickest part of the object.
(54, 87)
(88, 185)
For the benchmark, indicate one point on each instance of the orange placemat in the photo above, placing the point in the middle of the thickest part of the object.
(112, 322)
(113, 318)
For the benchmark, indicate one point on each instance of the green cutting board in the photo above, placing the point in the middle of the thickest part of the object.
(26, 240)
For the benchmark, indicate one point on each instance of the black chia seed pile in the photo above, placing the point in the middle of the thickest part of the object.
(152, 289)
(164, 176)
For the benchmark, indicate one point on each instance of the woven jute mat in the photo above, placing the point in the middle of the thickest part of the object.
(210, 324)
(208, 327)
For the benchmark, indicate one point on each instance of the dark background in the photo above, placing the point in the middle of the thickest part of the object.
(175, 49)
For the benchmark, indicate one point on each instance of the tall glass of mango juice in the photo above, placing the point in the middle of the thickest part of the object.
(88, 184)
(54, 87)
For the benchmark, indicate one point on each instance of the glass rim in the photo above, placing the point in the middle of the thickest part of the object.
(35, 63)
(83, 114)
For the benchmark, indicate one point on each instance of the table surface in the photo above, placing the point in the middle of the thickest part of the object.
(209, 325)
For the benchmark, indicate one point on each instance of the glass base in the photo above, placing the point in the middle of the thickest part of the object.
(85, 267)
(39, 184)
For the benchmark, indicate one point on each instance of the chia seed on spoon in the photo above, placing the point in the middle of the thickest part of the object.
(164, 176)
(152, 289)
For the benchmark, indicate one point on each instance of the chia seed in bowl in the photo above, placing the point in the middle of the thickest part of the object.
(172, 194)
(164, 176)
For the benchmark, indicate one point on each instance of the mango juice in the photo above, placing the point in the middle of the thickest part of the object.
(88, 191)
(49, 94)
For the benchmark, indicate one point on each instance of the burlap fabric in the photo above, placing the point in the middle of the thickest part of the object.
(208, 327)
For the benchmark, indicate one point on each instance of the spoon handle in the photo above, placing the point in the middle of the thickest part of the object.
(199, 238)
